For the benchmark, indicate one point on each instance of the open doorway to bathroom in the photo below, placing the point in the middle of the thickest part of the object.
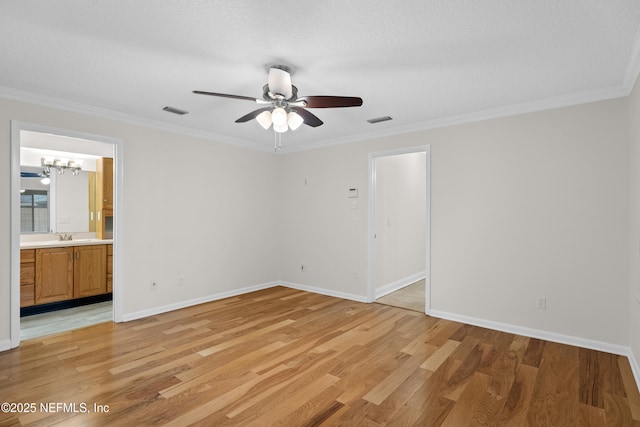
(399, 228)
(63, 216)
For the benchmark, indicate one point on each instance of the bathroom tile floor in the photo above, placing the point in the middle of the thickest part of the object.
(53, 322)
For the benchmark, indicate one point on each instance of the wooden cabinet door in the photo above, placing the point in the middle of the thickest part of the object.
(104, 193)
(89, 270)
(54, 275)
(104, 177)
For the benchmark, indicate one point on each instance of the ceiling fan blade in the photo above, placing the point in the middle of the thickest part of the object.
(280, 81)
(309, 118)
(252, 115)
(331, 101)
(224, 95)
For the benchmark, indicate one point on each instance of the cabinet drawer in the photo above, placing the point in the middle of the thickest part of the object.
(27, 295)
(27, 277)
(28, 273)
(27, 255)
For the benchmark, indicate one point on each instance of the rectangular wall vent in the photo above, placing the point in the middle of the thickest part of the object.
(380, 119)
(175, 110)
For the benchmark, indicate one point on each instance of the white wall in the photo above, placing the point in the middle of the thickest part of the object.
(400, 213)
(318, 226)
(634, 224)
(196, 209)
(524, 206)
(534, 205)
(192, 208)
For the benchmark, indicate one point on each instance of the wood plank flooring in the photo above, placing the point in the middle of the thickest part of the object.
(290, 358)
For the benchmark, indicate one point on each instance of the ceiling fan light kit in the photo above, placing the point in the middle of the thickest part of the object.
(278, 117)
(294, 120)
(284, 110)
(264, 119)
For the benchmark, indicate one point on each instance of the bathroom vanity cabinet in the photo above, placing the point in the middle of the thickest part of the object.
(63, 273)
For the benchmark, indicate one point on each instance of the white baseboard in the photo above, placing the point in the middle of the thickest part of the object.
(5, 345)
(323, 291)
(188, 303)
(399, 284)
(634, 367)
(535, 333)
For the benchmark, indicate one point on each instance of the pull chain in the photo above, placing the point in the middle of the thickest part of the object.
(277, 141)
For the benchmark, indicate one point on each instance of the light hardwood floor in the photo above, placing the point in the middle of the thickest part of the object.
(291, 358)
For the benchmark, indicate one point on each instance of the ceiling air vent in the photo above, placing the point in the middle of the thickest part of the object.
(175, 111)
(379, 119)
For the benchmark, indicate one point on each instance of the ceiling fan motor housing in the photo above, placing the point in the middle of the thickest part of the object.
(280, 82)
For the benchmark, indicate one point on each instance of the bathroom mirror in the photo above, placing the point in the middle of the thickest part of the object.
(61, 206)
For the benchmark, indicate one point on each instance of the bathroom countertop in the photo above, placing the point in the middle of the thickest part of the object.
(64, 243)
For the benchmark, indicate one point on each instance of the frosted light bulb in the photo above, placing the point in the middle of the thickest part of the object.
(279, 116)
(295, 121)
(264, 119)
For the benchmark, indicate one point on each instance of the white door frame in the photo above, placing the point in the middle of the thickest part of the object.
(371, 283)
(16, 127)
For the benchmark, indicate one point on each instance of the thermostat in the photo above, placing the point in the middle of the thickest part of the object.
(352, 193)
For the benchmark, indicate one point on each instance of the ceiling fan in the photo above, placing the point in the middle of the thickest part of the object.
(283, 108)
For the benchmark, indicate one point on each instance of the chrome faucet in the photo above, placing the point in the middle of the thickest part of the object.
(65, 236)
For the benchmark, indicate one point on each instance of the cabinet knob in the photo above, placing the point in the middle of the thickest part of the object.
(106, 200)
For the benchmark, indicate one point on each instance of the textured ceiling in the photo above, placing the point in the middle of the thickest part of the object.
(421, 62)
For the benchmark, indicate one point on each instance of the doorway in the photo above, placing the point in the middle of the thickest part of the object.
(399, 228)
(32, 138)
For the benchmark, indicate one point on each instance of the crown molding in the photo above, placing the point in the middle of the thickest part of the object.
(619, 91)
(585, 97)
(75, 107)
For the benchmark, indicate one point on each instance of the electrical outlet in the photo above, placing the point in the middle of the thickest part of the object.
(541, 302)
(180, 280)
(153, 285)
(304, 268)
